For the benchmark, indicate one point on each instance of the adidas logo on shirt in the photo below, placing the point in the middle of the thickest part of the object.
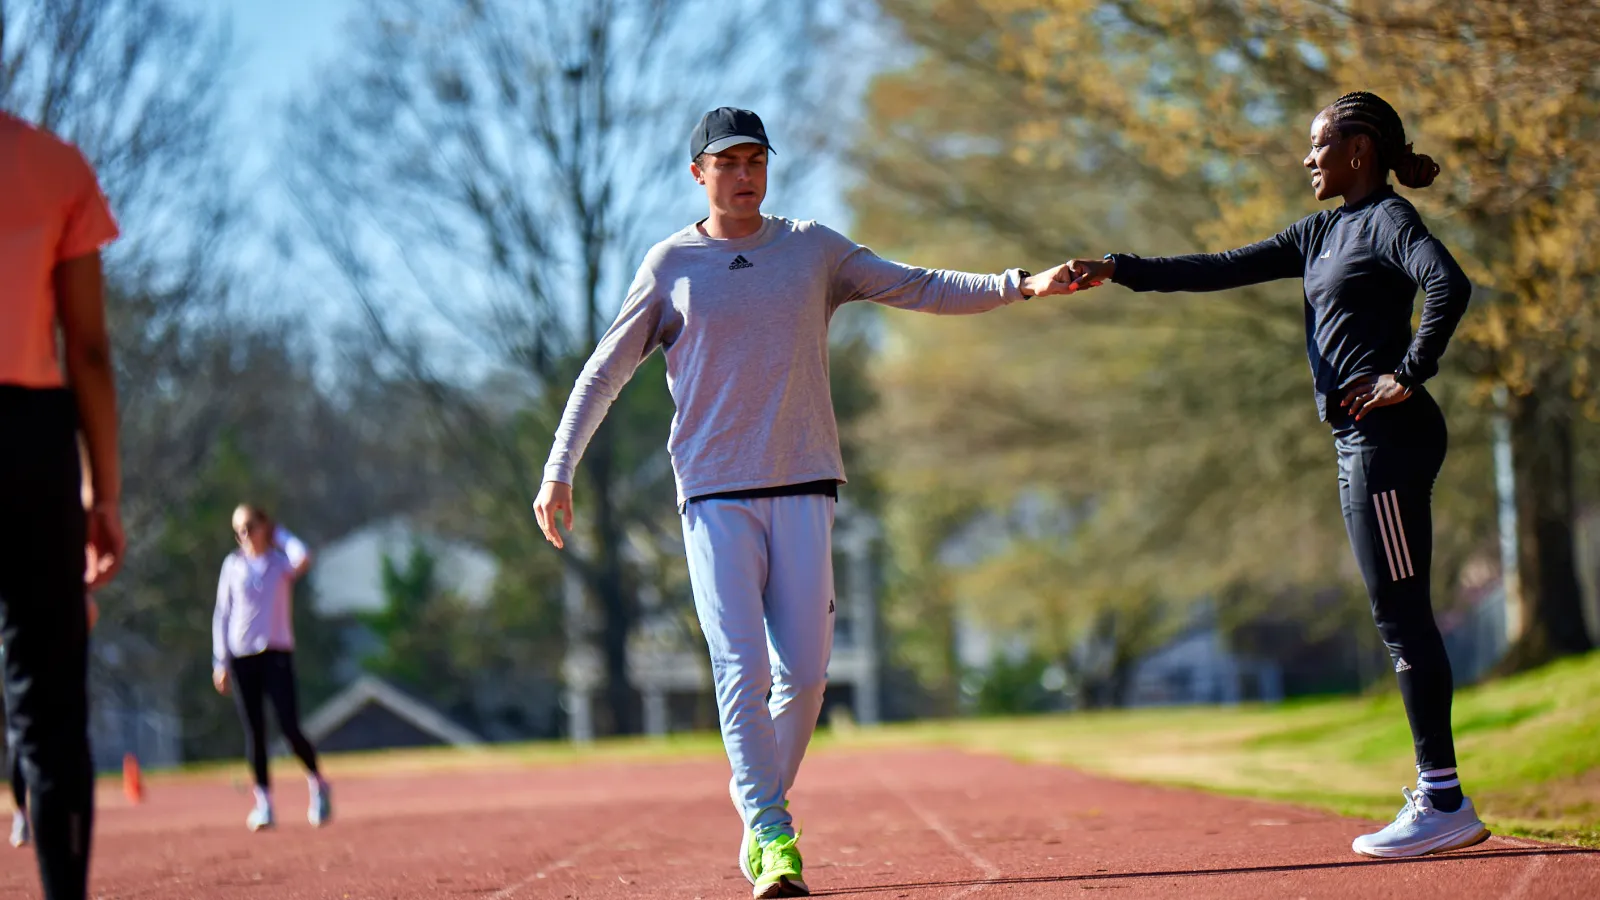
(739, 262)
(1401, 665)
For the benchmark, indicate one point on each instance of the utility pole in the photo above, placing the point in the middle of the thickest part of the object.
(1505, 481)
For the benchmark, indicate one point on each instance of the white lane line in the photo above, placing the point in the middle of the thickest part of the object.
(990, 870)
(1520, 889)
(566, 862)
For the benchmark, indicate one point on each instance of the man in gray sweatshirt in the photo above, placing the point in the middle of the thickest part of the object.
(740, 304)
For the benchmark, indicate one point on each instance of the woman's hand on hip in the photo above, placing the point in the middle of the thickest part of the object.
(1371, 393)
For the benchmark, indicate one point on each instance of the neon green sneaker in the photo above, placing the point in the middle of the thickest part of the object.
(749, 840)
(780, 870)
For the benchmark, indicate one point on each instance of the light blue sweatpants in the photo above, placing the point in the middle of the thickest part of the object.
(762, 574)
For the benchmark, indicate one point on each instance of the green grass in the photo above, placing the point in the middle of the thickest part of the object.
(1528, 748)
(489, 756)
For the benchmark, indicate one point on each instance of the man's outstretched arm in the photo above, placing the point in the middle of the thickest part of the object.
(861, 274)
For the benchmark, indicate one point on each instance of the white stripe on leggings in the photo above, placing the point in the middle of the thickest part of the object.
(1400, 528)
(1383, 532)
(1397, 525)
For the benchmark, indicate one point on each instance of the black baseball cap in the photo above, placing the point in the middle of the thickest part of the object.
(726, 127)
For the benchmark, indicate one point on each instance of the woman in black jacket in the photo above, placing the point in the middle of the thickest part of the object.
(1361, 264)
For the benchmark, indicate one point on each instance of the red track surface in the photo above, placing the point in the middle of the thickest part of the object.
(915, 825)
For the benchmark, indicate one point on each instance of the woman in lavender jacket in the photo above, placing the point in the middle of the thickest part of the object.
(253, 649)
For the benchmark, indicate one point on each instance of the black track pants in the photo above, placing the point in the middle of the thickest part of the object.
(1387, 466)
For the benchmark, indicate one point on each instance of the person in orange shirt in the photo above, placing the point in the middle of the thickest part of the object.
(53, 223)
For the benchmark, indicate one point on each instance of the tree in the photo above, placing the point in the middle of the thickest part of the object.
(1508, 93)
(1127, 403)
(415, 628)
(1161, 127)
(481, 180)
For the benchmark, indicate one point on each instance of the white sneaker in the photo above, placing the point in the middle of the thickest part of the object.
(20, 835)
(259, 818)
(749, 853)
(1420, 829)
(321, 809)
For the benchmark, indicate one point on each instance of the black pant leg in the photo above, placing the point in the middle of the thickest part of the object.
(45, 629)
(19, 784)
(249, 682)
(1387, 488)
(280, 688)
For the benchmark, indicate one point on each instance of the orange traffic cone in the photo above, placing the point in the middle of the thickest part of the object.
(131, 785)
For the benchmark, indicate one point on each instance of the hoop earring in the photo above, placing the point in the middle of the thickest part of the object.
(1355, 164)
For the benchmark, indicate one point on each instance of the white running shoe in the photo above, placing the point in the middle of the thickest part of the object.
(749, 851)
(20, 835)
(1420, 829)
(260, 818)
(321, 809)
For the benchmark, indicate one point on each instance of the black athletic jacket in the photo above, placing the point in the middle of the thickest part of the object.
(1362, 265)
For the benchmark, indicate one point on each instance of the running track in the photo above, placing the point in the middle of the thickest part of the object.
(923, 825)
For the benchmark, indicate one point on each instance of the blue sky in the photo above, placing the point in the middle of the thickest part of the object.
(280, 46)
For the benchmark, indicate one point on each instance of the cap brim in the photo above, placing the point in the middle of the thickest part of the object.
(721, 144)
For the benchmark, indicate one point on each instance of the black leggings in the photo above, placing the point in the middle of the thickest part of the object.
(271, 674)
(1387, 466)
(19, 785)
(45, 628)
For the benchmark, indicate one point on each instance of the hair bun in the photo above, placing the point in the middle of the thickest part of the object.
(1415, 170)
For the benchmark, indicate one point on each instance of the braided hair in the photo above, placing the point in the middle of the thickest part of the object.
(1360, 112)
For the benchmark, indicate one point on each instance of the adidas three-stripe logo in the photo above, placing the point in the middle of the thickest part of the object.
(739, 262)
(1392, 530)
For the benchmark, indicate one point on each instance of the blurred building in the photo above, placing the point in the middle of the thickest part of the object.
(1199, 666)
(347, 579)
(372, 714)
(348, 575)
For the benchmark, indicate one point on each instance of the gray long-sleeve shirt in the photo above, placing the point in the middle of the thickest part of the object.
(744, 326)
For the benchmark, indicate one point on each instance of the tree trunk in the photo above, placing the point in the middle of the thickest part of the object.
(1545, 601)
(611, 588)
